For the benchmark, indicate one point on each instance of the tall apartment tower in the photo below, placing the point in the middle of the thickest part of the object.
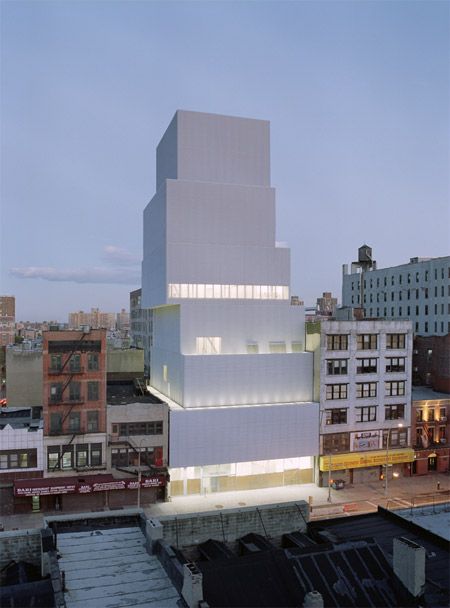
(418, 291)
(224, 332)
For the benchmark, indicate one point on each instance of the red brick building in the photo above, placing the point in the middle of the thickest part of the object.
(431, 362)
(74, 404)
(430, 431)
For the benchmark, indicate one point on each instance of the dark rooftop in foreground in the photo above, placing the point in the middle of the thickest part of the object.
(348, 561)
(122, 393)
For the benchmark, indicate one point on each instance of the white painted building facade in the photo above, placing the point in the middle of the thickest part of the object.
(365, 398)
(419, 291)
(226, 340)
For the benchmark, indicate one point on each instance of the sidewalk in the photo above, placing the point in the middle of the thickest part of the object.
(402, 492)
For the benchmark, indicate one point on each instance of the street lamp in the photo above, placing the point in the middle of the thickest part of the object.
(139, 473)
(388, 439)
(329, 477)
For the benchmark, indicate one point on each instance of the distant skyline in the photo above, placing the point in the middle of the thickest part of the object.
(357, 94)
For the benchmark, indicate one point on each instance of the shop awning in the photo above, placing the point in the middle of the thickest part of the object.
(358, 460)
(82, 484)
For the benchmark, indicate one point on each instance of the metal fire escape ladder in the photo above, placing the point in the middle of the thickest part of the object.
(73, 351)
(63, 451)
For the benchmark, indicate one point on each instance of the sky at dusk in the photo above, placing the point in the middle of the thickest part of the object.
(357, 94)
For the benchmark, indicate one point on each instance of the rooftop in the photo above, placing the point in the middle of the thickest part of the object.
(423, 393)
(124, 393)
(111, 567)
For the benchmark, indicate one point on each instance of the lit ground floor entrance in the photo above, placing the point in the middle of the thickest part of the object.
(230, 477)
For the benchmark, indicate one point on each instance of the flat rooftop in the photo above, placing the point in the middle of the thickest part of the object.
(128, 392)
(110, 568)
(434, 518)
(423, 393)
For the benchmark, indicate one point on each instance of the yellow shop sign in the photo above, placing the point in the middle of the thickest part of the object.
(356, 460)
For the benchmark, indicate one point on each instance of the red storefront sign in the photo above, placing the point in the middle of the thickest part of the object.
(82, 485)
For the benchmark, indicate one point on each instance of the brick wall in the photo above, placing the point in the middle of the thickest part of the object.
(230, 524)
(20, 545)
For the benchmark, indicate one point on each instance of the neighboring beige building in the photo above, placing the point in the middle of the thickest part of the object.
(138, 430)
(7, 319)
(124, 364)
(96, 319)
(24, 379)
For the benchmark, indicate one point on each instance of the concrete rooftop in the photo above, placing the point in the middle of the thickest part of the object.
(112, 569)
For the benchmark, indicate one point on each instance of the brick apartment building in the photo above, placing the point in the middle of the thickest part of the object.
(431, 362)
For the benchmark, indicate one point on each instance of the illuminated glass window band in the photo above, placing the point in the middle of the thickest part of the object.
(228, 292)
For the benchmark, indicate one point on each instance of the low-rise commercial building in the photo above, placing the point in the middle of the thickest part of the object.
(364, 369)
(430, 430)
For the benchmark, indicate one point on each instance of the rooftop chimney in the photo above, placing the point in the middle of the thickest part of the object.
(192, 590)
(409, 565)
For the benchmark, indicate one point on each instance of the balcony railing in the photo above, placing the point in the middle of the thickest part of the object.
(56, 371)
(61, 401)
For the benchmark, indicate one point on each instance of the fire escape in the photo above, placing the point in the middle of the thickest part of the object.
(73, 371)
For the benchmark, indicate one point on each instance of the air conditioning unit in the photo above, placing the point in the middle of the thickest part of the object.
(443, 419)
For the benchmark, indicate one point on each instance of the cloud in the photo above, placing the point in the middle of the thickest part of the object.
(95, 274)
(119, 256)
(123, 268)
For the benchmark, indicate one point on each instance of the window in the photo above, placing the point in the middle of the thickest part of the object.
(431, 415)
(56, 392)
(337, 342)
(74, 422)
(140, 428)
(277, 347)
(75, 363)
(394, 412)
(82, 455)
(336, 391)
(366, 414)
(96, 454)
(74, 391)
(395, 341)
(92, 392)
(409, 279)
(296, 347)
(337, 367)
(209, 345)
(442, 434)
(252, 348)
(397, 438)
(67, 457)
(55, 363)
(392, 389)
(55, 423)
(442, 414)
(366, 366)
(92, 421)
(92, 361)
(366, 389)
(53, 457)
(336, 442)
(18, 459)
(366, 341)
(336, 416)
(395, 364)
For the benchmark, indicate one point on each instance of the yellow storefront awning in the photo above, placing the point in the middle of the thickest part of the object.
(357, 460)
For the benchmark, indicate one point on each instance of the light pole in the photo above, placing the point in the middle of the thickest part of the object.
(139, 474)
(329, 477)
(388, 438)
